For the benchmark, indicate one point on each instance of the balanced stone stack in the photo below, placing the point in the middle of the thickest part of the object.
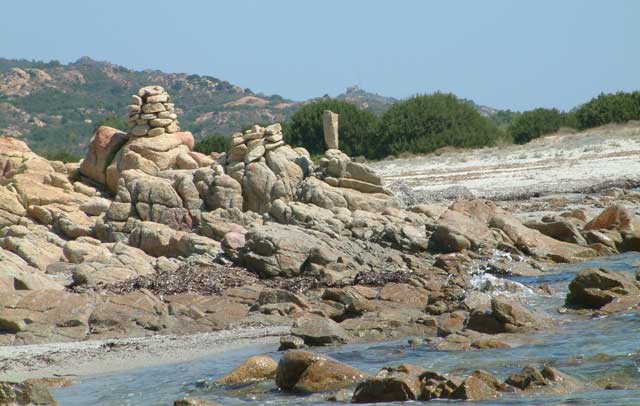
(252, 146)
(152, 113)
(337, 169)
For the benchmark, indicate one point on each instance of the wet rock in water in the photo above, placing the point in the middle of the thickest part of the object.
(253, 369)
(326, 375)
(505, 315)
(391, 384)
(488, 344)
(526, 379)
(510, 312)
(17, 394)
(189, 401)
(342, 396)
(595, 288)
(318, 330)
(480, 385)
(475, 389)
(546, 380)
(51, 381)
(290, 343)
(308, 372)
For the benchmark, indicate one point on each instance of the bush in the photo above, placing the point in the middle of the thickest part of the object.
(60, 155)
(609, 108)
(114, 122)
(534, 123)
(213, 143)
(425, 123)
(356, 127)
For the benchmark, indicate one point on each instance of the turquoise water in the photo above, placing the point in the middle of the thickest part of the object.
(588, 349)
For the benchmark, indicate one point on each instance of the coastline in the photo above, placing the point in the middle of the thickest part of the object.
(96, 357)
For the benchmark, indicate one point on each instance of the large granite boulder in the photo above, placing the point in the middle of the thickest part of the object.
(103, 147)
(307, 372)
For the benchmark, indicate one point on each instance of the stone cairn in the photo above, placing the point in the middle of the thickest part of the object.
(252, 146)
(337, 169)
(152, 113)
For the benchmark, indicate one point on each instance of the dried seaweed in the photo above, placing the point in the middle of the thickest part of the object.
(200, 278)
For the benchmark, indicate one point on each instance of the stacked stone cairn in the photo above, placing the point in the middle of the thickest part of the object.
(251, 146)
(152, 113)
(337, 169)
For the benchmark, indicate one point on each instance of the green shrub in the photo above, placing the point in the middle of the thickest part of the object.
(60, 155)
(356, 127)
(534, 123)
(609, 108)
(114, 122)
(213, 143)
(425, 123)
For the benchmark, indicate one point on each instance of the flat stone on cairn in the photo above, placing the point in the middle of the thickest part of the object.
(152, 113)
(330, 126)
(255, 142)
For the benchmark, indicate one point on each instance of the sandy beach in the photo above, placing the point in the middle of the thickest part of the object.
(559, 163)
(83, 358)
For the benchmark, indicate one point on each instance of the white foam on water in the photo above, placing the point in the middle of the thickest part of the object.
(495, 285)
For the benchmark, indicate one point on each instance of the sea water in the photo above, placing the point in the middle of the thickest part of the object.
(592, 350)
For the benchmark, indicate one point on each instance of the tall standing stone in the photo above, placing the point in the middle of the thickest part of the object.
(330, 125)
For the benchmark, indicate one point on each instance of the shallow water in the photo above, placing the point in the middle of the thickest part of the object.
(591, 350)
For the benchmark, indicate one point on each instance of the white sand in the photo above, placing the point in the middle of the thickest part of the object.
(97, 357)
(558, 163)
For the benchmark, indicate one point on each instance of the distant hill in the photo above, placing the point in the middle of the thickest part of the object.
(56, 106)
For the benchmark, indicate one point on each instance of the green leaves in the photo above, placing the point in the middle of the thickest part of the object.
(356, 128)
(532, 124)
(609, 108)
(213, 143)
(425, 123)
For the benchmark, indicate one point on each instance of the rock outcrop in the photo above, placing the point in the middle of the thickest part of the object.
(597, 288)
(146, 236)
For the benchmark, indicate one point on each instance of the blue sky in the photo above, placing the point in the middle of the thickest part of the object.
(505, 54)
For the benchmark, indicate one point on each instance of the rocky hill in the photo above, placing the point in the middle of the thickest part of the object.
(54, 106)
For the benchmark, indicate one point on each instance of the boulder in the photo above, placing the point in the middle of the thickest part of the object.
(317, 330)
(474, 389)
(14, 394)
(391, 384)
(277, 250)
(307, 372)
(253, 369)
(257, 185)
(614, 217)
(595, 288)
(509, 311)
(102, 149)
(543, 380)
(562, 230)
(534, 243)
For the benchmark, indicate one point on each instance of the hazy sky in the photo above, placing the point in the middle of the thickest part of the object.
(505, 54)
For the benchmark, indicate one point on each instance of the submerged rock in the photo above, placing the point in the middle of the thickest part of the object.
(189, 401)
(18, 394)
(545, 379)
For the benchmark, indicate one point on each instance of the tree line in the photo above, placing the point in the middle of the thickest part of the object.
(426, 123)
